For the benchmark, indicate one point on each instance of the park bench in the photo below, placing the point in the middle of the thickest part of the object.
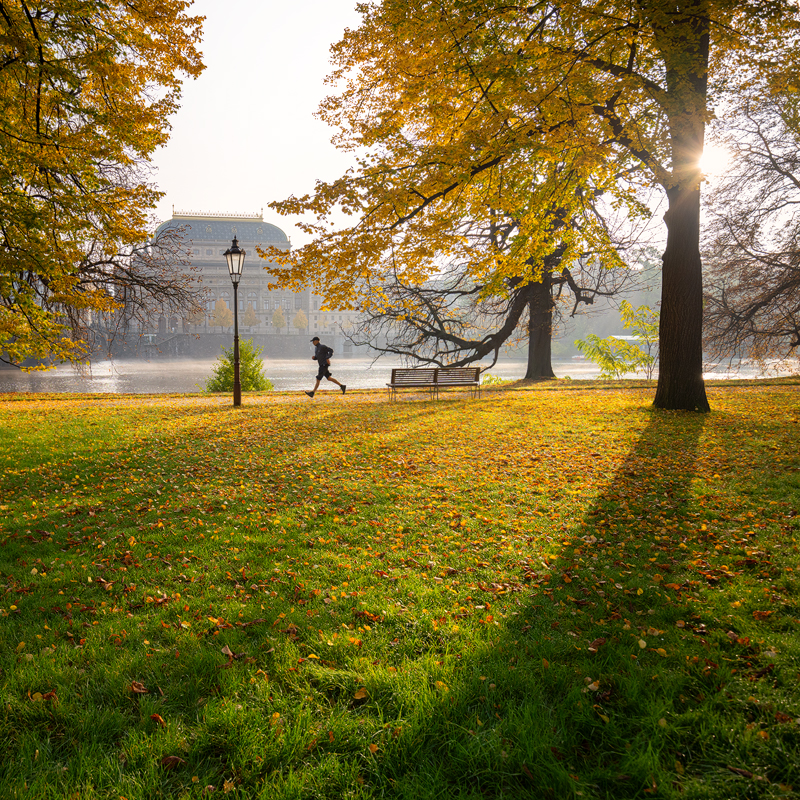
(434, 378)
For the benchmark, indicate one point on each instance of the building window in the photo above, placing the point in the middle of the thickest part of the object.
(298, 302)
(196, 252)
(209, 252)
(316, 305)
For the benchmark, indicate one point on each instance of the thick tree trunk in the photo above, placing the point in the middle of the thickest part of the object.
(540, 330)
(680, 341)
(685, 44)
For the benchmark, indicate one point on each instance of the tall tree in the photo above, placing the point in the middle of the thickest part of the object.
(753, 244)
(250, 317)
(278, 320)
(86, 90)
(300, 321)
(455, 320)
(442, 95)
(223, 316)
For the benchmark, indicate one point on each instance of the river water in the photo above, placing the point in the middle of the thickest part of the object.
(162, 376)
(189, 375)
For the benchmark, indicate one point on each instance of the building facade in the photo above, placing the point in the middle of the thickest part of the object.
(262, 311)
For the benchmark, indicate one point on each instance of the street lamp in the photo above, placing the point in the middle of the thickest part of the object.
(235, 258)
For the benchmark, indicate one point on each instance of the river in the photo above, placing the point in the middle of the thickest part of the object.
(189, 375)
(137, 376)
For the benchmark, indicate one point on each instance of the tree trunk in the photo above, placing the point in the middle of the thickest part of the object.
(680, 336)
(540, 330)
(680, 371)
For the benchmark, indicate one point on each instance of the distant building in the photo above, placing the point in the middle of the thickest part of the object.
(207, 237)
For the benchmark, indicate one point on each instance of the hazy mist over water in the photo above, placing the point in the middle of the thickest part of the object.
(163, 376)
(189, 375)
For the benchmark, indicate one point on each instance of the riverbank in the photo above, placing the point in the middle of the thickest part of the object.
(189, 375)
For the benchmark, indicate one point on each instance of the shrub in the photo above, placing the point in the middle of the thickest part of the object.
(251, 376)
(616, 357)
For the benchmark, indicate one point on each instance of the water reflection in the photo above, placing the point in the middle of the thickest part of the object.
(189, 375)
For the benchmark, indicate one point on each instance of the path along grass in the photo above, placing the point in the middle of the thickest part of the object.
(536, 594)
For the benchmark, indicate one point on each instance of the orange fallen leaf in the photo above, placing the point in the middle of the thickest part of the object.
(138, 688)
(361, 694)
(157, 718)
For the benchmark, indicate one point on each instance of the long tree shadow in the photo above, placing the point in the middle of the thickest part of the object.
(523, 710)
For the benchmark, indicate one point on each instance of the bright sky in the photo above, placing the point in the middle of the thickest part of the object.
(245, 134)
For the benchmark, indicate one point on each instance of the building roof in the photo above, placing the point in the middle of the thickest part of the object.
(249, 229)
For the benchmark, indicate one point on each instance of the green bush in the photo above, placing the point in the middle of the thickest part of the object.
(616, 357)
(251, 376)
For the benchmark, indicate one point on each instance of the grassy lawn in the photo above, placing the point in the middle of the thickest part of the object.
(545, 593)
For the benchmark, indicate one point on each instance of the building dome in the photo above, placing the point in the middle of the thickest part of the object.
(249, 229)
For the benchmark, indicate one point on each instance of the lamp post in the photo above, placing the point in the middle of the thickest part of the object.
(235, 258)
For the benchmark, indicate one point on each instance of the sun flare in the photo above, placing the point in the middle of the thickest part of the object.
(714, 160)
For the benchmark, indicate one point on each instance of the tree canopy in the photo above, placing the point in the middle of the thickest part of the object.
(86, 89)
(438, 100)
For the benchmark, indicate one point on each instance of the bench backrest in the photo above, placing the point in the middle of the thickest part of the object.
(413, 377)
(457, 376)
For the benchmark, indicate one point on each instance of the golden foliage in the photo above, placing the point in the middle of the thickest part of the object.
(86, 90)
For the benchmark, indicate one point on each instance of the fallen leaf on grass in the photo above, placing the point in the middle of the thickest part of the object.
(171, 762)
(743, 772)
(226, 651)
(158, 719)
(138, 688)
(360, 694)
(596, 645)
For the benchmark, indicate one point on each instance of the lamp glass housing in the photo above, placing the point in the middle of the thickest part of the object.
(234, 255)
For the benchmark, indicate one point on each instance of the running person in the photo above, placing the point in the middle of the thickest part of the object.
(322, 355)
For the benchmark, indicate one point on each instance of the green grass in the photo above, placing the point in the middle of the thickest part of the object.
(540, 593)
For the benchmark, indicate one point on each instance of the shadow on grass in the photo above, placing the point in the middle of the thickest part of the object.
(533, 711)
(534, 705)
